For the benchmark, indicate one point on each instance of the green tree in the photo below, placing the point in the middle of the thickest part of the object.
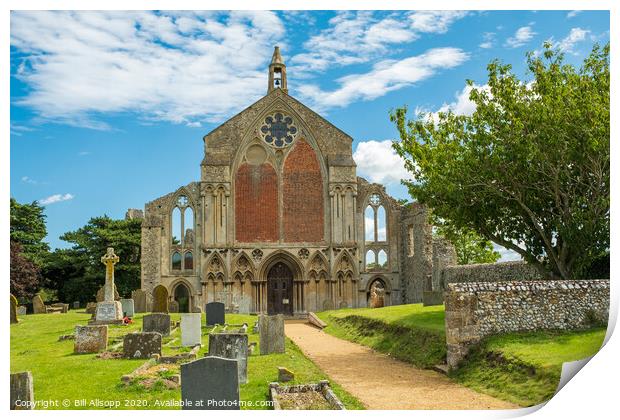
(470, 247)
(28, 229)
(529, 169)
(78, 273)
(25, 274)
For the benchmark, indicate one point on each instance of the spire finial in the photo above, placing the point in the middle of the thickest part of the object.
(277, 72)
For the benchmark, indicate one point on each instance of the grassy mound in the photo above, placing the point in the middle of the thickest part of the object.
(411, 333)
(525, 368)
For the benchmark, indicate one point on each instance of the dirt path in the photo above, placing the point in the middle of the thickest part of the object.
(381, 382)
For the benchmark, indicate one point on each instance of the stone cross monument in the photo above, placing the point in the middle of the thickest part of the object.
(109, 310)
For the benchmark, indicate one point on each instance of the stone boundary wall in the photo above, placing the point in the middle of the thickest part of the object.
(494, 272)
(479, 309)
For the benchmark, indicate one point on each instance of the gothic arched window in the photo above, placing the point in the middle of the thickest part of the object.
(375, 233)
(176, 260)
(182, 234)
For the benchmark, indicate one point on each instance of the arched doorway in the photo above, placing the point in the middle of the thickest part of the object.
(181, 296)
(280, 289)
(376, 294)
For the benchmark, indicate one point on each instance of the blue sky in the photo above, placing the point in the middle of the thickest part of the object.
(108, 109)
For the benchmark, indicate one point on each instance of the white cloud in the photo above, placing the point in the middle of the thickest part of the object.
(521, 37)
(435, 21)
(463, 105)
(575, 35)
(506, 254)
(56, 198)
(378, 162)
(572, 14)
(385, 76)
(29, 180)
(182, 67)
(358, 37)
(488, 39)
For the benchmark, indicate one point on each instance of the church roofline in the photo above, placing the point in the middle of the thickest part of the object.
(274, 92)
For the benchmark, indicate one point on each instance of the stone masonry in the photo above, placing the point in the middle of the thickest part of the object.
(475, 310)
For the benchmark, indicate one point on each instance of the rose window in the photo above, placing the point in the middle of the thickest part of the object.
(278, 130)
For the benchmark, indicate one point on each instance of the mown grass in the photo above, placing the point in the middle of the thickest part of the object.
(60, 375)
(525, 368)
(411, 333)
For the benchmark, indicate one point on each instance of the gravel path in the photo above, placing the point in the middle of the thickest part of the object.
(381, 382)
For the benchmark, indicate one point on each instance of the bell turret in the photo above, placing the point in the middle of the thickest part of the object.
(277, 72)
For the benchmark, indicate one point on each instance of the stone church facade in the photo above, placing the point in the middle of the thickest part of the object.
(281, 223)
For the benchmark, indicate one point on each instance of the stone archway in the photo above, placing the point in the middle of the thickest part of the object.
(280, 289)
(376, 294)
(183, 298)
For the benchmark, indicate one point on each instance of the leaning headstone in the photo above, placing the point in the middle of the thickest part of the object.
(210, 383)
(141, 345)
(316, 321)
(231, 346)
(160, 299)
(271, 334)
(215, 313)
(285, 375)
(76, 305)
(139, 301)
(109, 310)
(22, 391)
(38, 307)
(90, 338)
(91, 308)
(13, 310)
(22, 310)
(156, 323)
(127, 306)
(191, 333)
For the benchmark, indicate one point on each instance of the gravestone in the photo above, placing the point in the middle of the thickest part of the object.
(91, 308)
(215, 313)
(285, 375)
(38, 307)
(160, 299)
(22, 310)
(109, 310)
(210, 383)
(231, 346)
(141, 345)
(243, 304)
(127, 306)
(13, 310)
(173, 307)
(90, 338)
(22, 391)
(271, 333)
(139, 301)
(191, 333)
(156, 323)
(76, 305)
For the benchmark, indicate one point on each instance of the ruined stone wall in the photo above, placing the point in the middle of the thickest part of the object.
(150, 257)
(504, 271)
(415, 263)
(479, 309)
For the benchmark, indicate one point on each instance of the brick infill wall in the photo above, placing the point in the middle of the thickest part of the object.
(478, 309)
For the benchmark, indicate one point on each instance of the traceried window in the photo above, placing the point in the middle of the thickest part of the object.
(375, 233)
(278, 130)
(182, 234)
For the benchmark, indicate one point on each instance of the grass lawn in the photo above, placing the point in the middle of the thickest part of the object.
(60, 374)
(523, 368)
(411, 333)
